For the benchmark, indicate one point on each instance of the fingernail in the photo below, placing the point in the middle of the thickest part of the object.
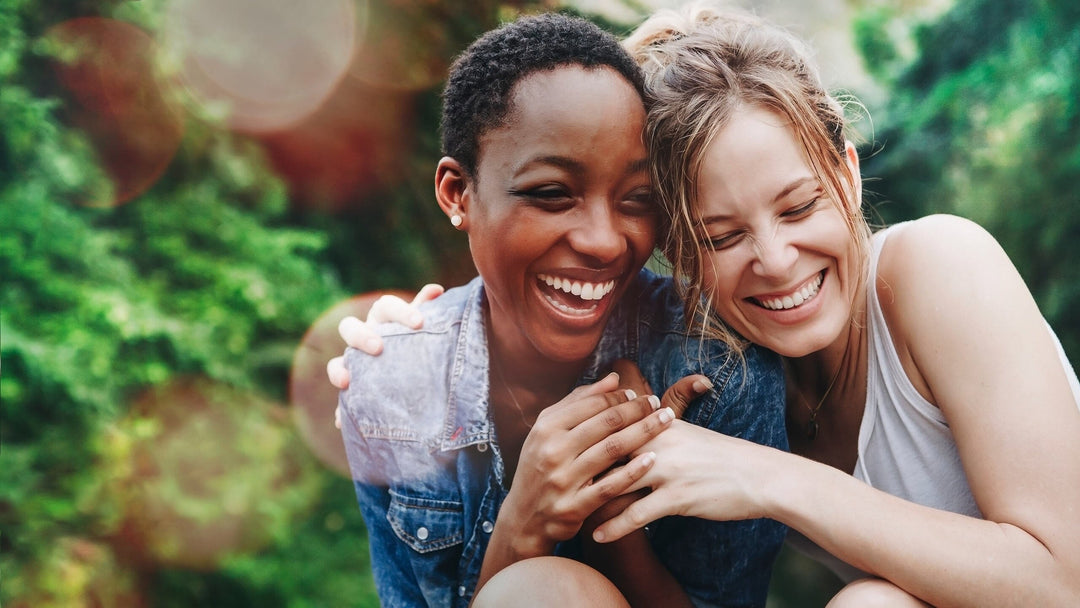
(414, 319)
(599, 536)
(667, 414)
(616, 374)
(702, 385)
(630, 394)
(648, 459)
(371, 345)
(654, 401)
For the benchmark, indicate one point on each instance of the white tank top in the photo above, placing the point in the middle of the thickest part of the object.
(905, 445)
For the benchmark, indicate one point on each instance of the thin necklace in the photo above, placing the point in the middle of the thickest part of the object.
(521, 412)
(811, 424)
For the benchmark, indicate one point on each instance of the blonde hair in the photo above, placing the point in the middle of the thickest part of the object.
(701, 64)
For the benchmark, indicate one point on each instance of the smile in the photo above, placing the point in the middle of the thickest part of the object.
(586, 292)
(795, 299)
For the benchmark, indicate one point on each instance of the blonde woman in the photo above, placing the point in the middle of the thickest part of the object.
(931, 412)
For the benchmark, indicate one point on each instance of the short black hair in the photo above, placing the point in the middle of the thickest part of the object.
(476, 98)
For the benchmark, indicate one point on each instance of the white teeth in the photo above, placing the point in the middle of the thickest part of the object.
(796, 299)
(584, 290)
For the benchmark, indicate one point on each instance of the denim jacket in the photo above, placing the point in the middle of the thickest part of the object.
(429, 476)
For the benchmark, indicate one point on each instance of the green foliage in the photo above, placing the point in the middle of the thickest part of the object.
(196, 278)
(983, 124)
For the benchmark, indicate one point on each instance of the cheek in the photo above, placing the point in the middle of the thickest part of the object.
(643, 234)
(640, 234)
(717, 277)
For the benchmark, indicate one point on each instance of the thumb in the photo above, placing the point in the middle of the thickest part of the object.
(630, 377)
(685, 390)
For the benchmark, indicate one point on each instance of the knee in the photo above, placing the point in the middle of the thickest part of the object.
(874, 593)
(549, 581)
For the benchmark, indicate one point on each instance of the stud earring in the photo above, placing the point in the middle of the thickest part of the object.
(455, 220)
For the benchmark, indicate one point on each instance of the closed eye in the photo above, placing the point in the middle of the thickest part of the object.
(723, 241)
(548, 198)
(640, 202)
(801, 210)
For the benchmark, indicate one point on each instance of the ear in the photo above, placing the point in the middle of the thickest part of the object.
(453, 190)
(851, 157)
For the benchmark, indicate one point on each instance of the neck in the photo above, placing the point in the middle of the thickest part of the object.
(531, 380)
(832, 382)
(818, 368)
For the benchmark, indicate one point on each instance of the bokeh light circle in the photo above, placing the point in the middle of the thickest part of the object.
(201, 471)
(404, 46)
(265, 65)
(108, 68)
(312, 396)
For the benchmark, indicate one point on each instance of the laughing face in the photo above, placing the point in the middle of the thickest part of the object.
(559, 213)
(781, 263)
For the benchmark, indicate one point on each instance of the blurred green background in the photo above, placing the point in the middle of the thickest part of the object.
(192, 190)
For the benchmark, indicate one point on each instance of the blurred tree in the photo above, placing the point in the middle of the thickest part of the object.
(983, 124)
(148, 319)
(196, 278)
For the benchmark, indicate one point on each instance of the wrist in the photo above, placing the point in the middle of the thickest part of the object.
(512, 533)
(779, 486)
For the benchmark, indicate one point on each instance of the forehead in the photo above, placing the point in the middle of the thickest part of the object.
(566, 109)
(752, 158)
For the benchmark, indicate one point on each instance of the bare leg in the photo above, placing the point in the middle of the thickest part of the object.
(542, 582)
(874, 593)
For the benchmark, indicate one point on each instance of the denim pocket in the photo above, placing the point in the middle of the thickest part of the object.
(426, 524)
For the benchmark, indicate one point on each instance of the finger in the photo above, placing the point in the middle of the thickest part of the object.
(639, 514)
(359, 335)
(427, 293)
(392, 308)
(630, 377)
(584, 402)
(338, 373)
(608, 450)
(337, 417)
(618, 481)
(612, 419)
(685, 390)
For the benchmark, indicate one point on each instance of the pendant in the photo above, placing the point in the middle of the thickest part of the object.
(811, 429)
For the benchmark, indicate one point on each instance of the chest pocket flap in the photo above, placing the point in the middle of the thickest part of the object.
(426, 524)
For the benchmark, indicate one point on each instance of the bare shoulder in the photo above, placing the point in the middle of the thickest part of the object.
(940, 252)
(942, 281)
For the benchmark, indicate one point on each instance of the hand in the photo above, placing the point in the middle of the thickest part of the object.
(557, 483)
(360, 335)
(697, 473)
(678, 396)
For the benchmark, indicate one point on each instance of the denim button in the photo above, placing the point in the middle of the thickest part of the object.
(461, 591)
(422, 533)
(487, 527)
(481, 447)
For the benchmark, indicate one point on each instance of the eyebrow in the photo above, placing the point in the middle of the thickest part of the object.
(570, 164)
(793, 186)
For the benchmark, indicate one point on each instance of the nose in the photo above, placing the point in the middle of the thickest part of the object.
(600, 235)
(776, 254)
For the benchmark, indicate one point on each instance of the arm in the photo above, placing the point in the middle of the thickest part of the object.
(395, 579)
(556, 485)
(630, 562)
(1007, 401)
(980, 348)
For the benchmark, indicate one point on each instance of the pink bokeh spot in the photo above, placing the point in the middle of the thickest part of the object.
(312, 396)
(108, 68)
(267, 64)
